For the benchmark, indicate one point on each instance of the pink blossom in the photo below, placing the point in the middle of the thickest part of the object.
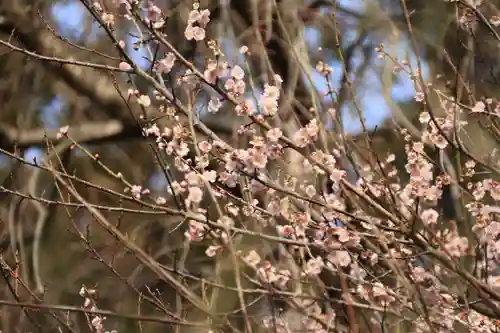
(198, 33)
(214, 105)
(232, 209)
(210, 176)
(161, 201)
(228, 179)
(192, 178)
(63, 131)
(154, 15)
(310, 190)
(252, 259)
(237, 73)
(153, 130)
(323, 68)
(204, 146)
(182, 149)
(340, 258)
(97, 6)
(212, 250)
(196, 231)
(419, 96)
(204, 18)
(301, 138)
(314, 266)
(342, 234)
(312, 129)
(165, 65)
(193, 17)
(439, 141)
(457, 246)
(418, 147)
(136, 191)
(199, 17)
(245, 108)
(429, 216)
(379, 292)
(479, 107)
(274, 134)
(336, 175)
(495, 190)
(269, 100)
(189, 32)
(144, 100)
(124, 66)
(239, 88)
(210, 73)
(108, 18)
(229, 85)
(285, 230)
(195, 194)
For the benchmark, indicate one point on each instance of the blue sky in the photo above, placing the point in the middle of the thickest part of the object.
(69, 17)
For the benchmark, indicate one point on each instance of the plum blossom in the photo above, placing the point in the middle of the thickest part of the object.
(212, 250)
(196, 24)
(144, 100)
(228, 178)
(108, 19)
(195, 194)
(269, 100)
(182, 149)
(136, 191)
(125, 66)
(306, 135)
(274, 134)
(381, 294)
(214, 105)
(196, 231)
(455, 245)
(313, 266)
(285, 230)
(192, 178)
(312, 129)
(495, 190)
(63, 131)
(210, 73)
(237, 73)
(205, 147)
(323, 68)
(429, 216)
(245, 108)
(439, 141)
(424, 117)
(154, 16)
(161, 201)
(340, 258)
(193, 32)
(252, 259)
(210, 176)
(478, 107)
(97, 6)
(164, 66)
(301, 138)
(310, 190)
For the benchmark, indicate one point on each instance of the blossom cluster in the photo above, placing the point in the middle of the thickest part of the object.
(96, 320)
(375, 226)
